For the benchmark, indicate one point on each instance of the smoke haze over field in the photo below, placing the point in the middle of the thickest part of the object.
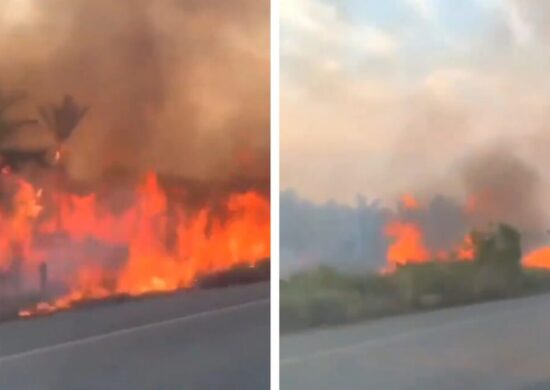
(445, 100)
(177, 86)
(393, 98)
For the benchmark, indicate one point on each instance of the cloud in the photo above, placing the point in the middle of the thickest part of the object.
(320, 29)
(445, 82)
(401, 121)
(425, 8)
(521, 29)
(306, 15)
(515, 18)
(373, 41)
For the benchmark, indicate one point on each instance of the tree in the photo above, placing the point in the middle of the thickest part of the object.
(63, 119)
(509, 245)
(500, 247)
(9, 126)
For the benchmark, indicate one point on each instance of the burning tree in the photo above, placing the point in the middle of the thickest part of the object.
(89, 249)
(62, 120)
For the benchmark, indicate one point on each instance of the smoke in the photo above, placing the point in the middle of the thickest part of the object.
(504, 188)
(497, 185)
(177, 86)
(486, 185)
(332, 234)
(459, 123)
(443, 221)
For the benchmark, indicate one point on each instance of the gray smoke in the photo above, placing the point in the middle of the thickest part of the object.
(499, 187)
(506, 189)
(332, 234)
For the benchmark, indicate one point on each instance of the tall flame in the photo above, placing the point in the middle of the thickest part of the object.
(408, 244)
(166, 246)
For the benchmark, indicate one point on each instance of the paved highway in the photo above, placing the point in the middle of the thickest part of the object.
(498, 345)
(212, 339)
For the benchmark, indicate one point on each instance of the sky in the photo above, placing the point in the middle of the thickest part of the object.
(386, 97)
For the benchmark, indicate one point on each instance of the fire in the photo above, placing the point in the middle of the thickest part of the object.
(17, 224)
(409, 202)
(466, 250)
(539, 258)
(153, 245)
(407, 246)
(242, 238)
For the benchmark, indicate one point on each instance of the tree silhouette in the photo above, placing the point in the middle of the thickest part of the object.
(502, 247)
(63, 119)
(9, 126)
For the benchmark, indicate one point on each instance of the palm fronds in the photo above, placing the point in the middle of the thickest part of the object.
(63, 119)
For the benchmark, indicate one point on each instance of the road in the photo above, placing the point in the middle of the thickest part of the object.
(211, 339)
(498, 345)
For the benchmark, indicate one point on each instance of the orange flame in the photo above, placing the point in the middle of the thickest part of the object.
(408, 245)
(17, 226)
(410, 202)
(204, 241)
(466, 250)
(539, 258)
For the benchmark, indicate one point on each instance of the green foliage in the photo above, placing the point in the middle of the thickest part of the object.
(326, 296)
(452, 283)
(501, 247)
(536, 281)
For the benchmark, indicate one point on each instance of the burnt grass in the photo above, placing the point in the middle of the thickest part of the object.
(237, 275)
(325, 296)
(241, 274)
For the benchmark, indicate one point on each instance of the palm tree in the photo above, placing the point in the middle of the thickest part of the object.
(62, 119)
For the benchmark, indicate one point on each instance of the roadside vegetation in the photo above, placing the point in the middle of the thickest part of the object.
(325, 296)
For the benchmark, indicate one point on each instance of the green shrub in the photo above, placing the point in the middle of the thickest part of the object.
(326, 296)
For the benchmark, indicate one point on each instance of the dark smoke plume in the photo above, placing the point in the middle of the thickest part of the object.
(504, 189)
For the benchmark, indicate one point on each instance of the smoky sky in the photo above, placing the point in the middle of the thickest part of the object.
(177, 86)
(446, 102)
(385, 100)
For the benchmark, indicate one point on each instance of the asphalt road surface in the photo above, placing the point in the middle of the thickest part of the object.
(499, 345)
(211, 339)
